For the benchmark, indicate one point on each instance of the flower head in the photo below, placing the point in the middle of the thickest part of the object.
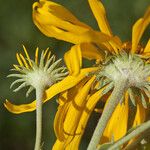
(37, 73)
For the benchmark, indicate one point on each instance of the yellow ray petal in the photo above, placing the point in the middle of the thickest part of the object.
(65, 84)
(140, 115)
(54, 20)
(69, 95)
(58, 10)
(73, 145)
(59, 121)
(24, 61)
(117, 125)
(59, 145)
(63, 98)
(27, 55)
(19, 60)
(73, 60)
(76, 108)
(91, 51)
(147, 47)
(139, 28)
(18, 109)
(89, 107)
(36, 55)
(97, 51)
(65, 101)
(114, 45)
(74, 142)
(100, 15)
(45, 52)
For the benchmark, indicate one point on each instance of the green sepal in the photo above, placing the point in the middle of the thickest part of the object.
(103, 82)
(143, 100)
(107, 89)
(132, 97)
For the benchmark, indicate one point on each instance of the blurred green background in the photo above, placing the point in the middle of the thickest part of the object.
(17, 132)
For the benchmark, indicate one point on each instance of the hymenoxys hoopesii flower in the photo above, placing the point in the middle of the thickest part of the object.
(116, 59)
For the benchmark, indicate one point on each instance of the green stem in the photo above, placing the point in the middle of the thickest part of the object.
(131, 135)
(118, 92)
(135, 143)
(39, 97)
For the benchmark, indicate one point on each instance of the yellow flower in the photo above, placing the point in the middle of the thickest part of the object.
(75, 108)
(28, 68)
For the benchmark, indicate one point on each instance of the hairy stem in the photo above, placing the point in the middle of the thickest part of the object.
(118, 92)
(135, 143)
(39, 97)
(131, 135)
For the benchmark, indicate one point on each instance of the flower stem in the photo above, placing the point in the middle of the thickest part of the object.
(134, 143)
(131, 135)
(39, 97)
(119, 90)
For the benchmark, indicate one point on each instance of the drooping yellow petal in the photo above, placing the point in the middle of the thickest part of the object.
(54, 20)
(139, 28)
(69, 95)
(59, 121)
(65, 145)
(100, 15)
(58, 10)
(117, 125)
(89, 107)
(73, 60)
(78, 104)
(140, 115)
(73, 145)
(18, 109)
(59, 145)
(68, 117)
(65, 101)
(63, 98)
(73, 141)
(61, 86)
